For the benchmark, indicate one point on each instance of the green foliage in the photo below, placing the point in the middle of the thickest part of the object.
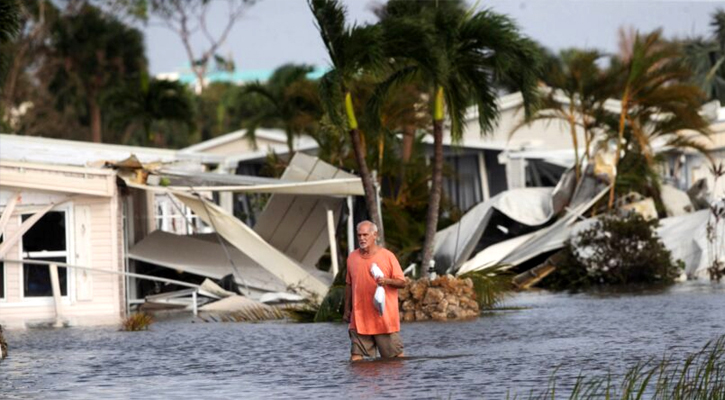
(706, 58)
(332, 305)
(491, 285)
(136, 322)
(576, 93)
(444, 46)
(96, 53)
(9, 27)
(637, 175)
(290, 102)
(614, 251)
(137, 107)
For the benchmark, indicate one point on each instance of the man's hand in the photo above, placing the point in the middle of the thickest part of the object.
(346, 316)
(382, 281)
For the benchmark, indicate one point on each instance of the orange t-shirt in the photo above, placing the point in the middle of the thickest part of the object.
(365, 319)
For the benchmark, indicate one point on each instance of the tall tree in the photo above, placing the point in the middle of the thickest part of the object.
(9, 27)
(352, 51)
(25, 50)
(291, 103)
(189, 19)
(576, 91)
(458, 55)
(706, 57)
(657, 100)
(140, 103)
(92, 54)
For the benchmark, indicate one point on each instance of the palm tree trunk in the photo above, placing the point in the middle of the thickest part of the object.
(371, 200)
(575, 142)
(435, 197)
(587, 143)
(370, 192)
(408, 140)
(95, 110)
(620, 136)
(407, 153)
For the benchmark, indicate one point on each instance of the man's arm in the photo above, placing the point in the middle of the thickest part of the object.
(397, 279)
(348, 303)
(397, 283)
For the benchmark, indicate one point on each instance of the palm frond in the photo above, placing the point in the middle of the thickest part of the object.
(684, 142)
(263, 91)
(330, 19)
(382, 92)
(331, 96)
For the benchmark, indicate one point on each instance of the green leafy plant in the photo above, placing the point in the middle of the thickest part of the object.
(490, 285)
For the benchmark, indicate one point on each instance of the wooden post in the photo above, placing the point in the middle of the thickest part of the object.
(55, 283)
(196, 307)
(333, 242)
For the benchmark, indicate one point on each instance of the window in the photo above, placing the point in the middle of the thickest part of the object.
(45, 241)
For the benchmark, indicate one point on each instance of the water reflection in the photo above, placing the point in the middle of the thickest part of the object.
(500, 353)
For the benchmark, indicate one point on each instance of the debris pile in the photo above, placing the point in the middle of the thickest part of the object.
(441, 299)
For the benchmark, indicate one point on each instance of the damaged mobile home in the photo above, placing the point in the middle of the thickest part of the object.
(91, 231)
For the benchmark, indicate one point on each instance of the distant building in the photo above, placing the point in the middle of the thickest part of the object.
(238, 77)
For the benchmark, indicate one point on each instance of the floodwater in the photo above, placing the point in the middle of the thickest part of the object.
(505, 352)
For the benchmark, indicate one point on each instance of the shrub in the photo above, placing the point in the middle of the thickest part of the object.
(614, 251)
(137, 322)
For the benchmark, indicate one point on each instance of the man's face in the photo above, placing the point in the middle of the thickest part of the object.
(365, 236)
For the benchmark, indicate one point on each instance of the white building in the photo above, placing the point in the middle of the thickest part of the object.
(80, 217)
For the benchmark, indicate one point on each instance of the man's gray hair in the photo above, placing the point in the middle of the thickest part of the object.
(373, 227)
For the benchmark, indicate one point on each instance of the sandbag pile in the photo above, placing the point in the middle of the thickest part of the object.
(442, 299)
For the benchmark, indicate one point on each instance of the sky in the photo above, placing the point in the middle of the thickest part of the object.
(274, 32)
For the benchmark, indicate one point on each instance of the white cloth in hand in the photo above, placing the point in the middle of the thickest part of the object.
(379, 297)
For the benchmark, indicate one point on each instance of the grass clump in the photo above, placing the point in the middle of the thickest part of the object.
(137, 322)
(700, 376)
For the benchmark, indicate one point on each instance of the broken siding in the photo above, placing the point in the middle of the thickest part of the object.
(103, 297)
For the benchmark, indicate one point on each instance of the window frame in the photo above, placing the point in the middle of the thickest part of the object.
(68, 254)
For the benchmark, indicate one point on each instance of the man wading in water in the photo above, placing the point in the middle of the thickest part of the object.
(368, 329)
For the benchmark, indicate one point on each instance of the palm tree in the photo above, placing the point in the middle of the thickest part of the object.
(707, 59)
(656, 100)
(291, 100)
(576, 92)
(93, 54)
(9, 27)
(457, 55)
(141, 103)
(352, 51)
